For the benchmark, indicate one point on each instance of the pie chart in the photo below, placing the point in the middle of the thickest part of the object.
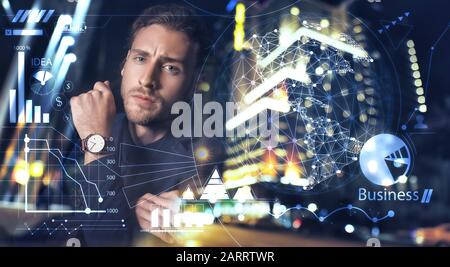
(384, 158)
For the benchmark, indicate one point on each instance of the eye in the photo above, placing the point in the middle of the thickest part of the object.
(171, 69)
(139, 59)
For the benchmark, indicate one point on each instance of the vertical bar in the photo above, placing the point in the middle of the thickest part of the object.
(32, 15)
(21, 85)
(166, 218)
(29, 111)
(155, 218)
(177, 220)
(45, 118)
(12, 106)
(430, 191)
(40, 15)
(25, 16)
(49, 14)
(17, 16)
(424, 197)
(37, 114)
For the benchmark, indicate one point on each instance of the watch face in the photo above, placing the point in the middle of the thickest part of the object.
(95, 143)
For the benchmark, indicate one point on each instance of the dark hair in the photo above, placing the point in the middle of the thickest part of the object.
(176, 17)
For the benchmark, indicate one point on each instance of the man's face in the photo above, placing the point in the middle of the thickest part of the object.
(158, 71)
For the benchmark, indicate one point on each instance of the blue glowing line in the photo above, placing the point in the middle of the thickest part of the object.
(432, 49)
(349, 207)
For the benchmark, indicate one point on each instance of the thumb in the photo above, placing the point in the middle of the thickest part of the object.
(108, 84)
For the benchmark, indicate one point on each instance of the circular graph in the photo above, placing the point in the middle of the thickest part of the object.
(384, 159)
(42, 82)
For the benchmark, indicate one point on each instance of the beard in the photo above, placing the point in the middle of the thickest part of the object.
(143, 114)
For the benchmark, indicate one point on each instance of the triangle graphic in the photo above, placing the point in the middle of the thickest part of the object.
(215, 174)
(215, 189)
(398, 33)
(188, 194)
(243, 194)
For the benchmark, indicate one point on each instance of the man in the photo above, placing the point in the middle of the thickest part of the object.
(159, 70)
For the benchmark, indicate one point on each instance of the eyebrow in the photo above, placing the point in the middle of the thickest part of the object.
(161, 58)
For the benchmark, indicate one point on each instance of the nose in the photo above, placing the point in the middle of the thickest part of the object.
(149, 77)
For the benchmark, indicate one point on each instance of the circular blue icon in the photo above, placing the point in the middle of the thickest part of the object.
(42, 82)
(385, 159)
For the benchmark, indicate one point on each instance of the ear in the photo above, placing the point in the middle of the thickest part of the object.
(123, 63)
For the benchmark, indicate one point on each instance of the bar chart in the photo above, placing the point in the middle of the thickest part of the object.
(21, 110)
(167, 220)
(24, 32)
(29, 16)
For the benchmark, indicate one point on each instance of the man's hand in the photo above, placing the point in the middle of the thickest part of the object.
(148, 202)
(94, 112)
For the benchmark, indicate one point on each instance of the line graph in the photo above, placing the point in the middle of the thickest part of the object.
(87, 210)
(63, 225)
(51, 230)
(349, 207)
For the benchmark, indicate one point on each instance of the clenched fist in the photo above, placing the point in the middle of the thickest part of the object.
(94, 111)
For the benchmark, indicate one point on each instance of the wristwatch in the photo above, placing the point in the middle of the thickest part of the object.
(94, 143)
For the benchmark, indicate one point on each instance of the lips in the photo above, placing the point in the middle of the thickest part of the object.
(145, 100)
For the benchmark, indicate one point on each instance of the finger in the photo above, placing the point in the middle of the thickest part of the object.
(95, 93)
(168, 195)
(171, 194)
(148, 205)
(141, 201)
(101, 87)
(148, 197)
(145, 225)
(158, 200)
(172, 204)
(143, 214)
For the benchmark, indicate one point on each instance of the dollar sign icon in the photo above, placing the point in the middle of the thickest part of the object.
(68, 86)
(59, 102)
